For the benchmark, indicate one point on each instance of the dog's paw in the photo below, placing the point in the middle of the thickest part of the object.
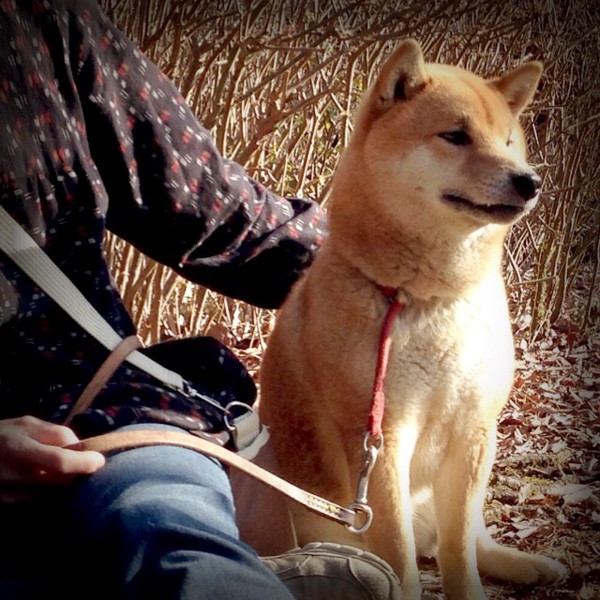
(520, 567)
(536, 569)
(463, 588)
(477, 593)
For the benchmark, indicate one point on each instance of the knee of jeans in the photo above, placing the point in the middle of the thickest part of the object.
(157, 486)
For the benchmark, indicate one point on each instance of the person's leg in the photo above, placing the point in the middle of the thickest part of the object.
(158, 522)
(32, 535)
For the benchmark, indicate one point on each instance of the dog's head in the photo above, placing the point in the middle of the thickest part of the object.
(442, 139)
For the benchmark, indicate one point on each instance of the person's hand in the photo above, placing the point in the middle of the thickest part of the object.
(33, 458)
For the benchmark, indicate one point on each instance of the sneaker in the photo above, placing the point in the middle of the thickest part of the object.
(326, 571)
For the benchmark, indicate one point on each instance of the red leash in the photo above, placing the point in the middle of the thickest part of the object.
(373, 440)
(383, 356)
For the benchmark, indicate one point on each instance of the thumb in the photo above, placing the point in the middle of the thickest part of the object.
(81, 462)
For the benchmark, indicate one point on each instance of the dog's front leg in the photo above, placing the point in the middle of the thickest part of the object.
(459, 492)
(391, 535)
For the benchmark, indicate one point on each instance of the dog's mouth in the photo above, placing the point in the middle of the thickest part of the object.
(496, 212)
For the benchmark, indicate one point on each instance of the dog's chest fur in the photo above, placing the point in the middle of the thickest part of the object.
(451, 362)
(450, 357)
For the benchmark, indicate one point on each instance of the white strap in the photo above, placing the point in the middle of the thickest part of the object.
(28, 255)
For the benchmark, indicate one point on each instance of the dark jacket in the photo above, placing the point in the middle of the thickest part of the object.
(92, 137)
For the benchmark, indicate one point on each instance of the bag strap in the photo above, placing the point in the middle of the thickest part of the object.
(246, 432)
(103, 375)
(28, 256)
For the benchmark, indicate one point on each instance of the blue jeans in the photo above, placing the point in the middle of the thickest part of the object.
(156, 522)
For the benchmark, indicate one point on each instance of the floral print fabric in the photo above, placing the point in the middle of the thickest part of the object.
(92, 137)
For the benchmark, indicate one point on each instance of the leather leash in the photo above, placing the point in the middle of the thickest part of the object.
(210, 445)
(373, 443)
(103, 374)
(27, 254)
(205, 443)
(125, 440)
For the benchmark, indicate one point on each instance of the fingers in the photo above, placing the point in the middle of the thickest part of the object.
(32, 452)
(54, 459)
(42, 431)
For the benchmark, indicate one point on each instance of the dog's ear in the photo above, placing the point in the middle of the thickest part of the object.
(402, 76)
(518, 86)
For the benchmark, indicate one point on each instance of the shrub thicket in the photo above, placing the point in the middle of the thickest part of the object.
(276, 81)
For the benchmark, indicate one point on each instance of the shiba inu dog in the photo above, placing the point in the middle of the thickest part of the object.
(423, 196)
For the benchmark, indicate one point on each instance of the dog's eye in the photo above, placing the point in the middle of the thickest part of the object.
(456, 138)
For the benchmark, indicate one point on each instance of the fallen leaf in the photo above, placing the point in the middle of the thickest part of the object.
(573, 493)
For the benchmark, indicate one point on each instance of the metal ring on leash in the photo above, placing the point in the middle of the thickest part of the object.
(229, 415)
(366, 511)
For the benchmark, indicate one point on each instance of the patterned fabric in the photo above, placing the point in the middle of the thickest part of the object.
(94, 136)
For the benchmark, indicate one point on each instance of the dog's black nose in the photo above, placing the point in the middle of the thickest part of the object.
(527, 184)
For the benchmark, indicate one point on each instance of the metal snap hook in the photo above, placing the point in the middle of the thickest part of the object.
(372, 444)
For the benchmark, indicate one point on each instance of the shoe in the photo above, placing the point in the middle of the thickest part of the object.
(326, 571)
